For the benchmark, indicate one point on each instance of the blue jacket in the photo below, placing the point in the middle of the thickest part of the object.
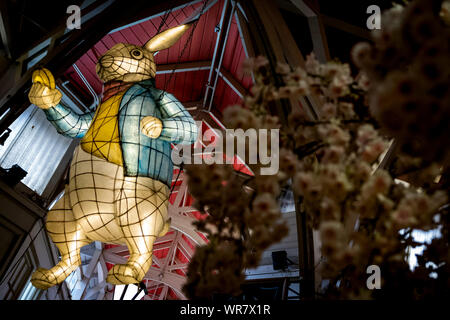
(142, 156)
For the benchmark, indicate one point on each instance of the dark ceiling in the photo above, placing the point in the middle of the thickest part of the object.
(30, 21)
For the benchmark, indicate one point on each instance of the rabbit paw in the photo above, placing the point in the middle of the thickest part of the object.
(151, 127)
(44, 97)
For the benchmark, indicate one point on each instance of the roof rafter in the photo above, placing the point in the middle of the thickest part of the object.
(5, 30)
(345, 26)
(232, 82)
(183, 66)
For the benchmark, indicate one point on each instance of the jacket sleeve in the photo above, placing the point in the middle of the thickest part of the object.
(67, 122)
(178, 125)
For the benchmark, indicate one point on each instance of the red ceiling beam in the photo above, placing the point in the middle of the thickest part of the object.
(233, 83)
(183, 66)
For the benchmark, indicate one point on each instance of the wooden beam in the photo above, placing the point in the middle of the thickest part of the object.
(242, 25)
(282, 41)
(184, 224)
(192, 105)
(116, 250)
(188, 251)
(318, 36)
(173, 280)
(163, 294)
(322, 35)
(233, 83)
(102, 269)
(313, 4)
(95, 292)
(205, 116)
(305, 252)
(346, 27)
(5, 29)
(161, 246)
(317, 29)
(285, 50)
(178, 266)
(171, 253)
(183, 66)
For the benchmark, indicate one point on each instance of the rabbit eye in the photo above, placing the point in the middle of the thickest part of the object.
(136, 53)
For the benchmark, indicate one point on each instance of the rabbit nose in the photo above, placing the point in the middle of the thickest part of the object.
(106, 61)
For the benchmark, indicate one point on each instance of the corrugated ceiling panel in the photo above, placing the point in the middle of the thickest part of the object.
(36, 147)
(230, 49)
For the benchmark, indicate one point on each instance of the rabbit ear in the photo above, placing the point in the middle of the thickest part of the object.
(166, 39)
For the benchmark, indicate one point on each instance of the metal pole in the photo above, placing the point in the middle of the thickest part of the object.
(216, 48)
(221, 57)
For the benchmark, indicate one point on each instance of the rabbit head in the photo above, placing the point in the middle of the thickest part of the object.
(131, 63)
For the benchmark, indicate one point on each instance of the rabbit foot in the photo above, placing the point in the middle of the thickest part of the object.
(123, 274)
(43, 279)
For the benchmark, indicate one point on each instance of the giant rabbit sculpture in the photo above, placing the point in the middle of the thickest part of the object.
(121, 171)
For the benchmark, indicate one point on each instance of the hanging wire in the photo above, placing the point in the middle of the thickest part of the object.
(176, 180)
(163, 20)
(188, 42)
